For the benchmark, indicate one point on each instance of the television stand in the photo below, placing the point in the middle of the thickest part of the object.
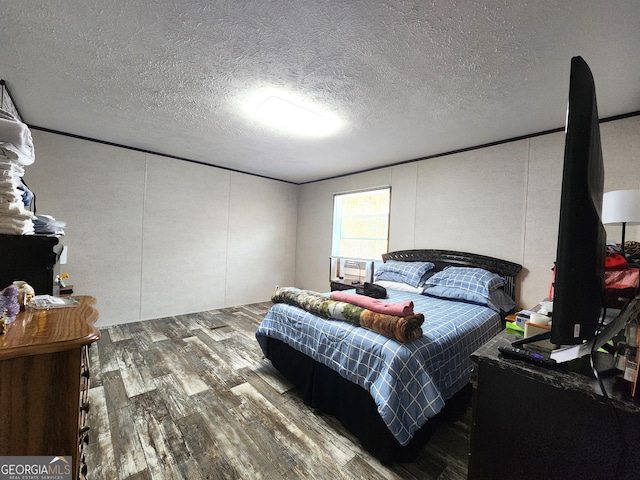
(534, 422)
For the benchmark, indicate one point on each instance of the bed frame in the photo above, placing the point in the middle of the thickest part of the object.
(443, 258)
(325, 390)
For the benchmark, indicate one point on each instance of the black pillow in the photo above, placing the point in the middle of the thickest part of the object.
(372, 290)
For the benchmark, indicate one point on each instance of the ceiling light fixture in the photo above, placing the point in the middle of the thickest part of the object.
(290, 117)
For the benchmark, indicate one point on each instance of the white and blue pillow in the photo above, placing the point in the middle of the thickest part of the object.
(498, 300)
(475, 280)
(411, 273)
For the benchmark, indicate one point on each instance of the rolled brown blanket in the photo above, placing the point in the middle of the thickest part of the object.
(404, 329)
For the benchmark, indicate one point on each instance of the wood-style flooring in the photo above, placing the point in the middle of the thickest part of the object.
(191, 397)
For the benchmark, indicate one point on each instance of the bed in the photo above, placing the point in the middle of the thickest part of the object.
(391, 394)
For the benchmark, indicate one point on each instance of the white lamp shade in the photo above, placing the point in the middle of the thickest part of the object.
(621, 206)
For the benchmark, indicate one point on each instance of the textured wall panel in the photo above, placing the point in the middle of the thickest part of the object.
(186, 222)
(99, 191)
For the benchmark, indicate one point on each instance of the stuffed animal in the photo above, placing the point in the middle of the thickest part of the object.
(632, 249)
(25, 292)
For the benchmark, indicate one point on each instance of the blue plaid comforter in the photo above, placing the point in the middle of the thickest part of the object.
(408, 381)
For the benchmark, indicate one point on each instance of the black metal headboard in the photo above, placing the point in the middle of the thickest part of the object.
(443, 258)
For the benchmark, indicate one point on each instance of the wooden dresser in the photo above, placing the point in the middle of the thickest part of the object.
(44, 382)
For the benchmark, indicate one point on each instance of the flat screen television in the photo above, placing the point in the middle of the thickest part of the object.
(580, 257)
(578, 287)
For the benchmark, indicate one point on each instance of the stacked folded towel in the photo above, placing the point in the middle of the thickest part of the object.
(15, 139)
(16, 151)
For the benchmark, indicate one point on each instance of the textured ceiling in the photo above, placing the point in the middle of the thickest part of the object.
(408, 79)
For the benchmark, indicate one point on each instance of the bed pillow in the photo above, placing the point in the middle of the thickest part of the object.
(388, 284)
(411, 273)
(501, 300)
(475, 280)
(498, 300)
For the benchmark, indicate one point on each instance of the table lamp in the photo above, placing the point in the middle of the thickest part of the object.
(621, 206)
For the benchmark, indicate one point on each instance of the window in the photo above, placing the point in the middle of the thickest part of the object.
(361, 224)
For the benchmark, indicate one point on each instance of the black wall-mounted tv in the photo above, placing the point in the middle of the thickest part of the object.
(580, 257)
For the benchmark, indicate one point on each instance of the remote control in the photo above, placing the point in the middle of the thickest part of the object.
(527, 356)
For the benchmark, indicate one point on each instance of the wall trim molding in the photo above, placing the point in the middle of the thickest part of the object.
(468, 149)
(403, 162)
(151, 152)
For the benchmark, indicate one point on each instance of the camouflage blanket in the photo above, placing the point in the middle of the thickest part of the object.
(403, 329)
